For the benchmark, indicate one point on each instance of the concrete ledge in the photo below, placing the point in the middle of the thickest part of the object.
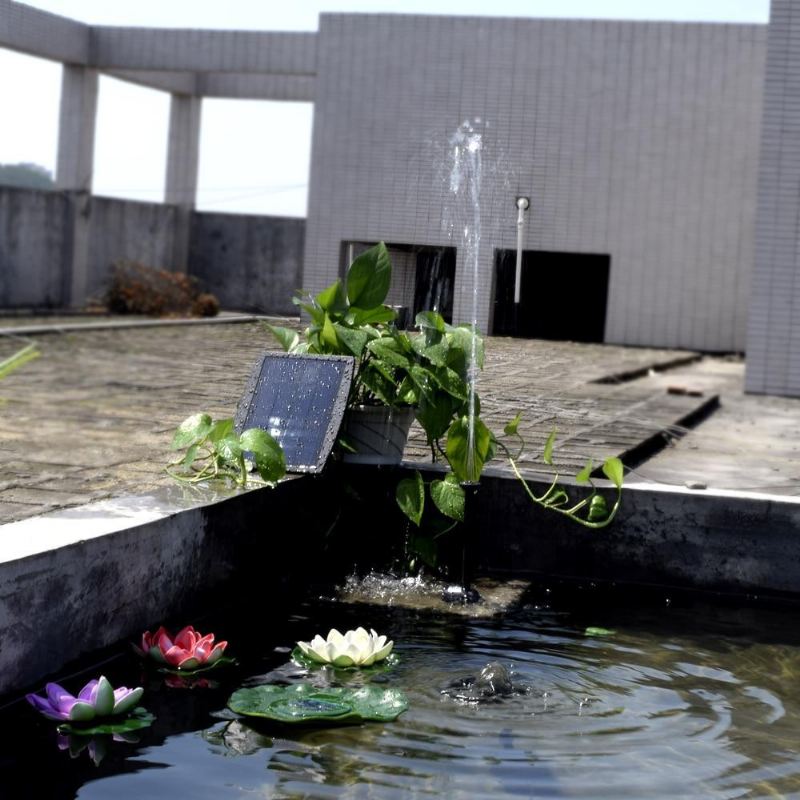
(122, 324)
(81, 579)
(726, 541)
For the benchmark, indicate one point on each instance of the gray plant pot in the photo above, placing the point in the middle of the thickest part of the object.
(378, 433)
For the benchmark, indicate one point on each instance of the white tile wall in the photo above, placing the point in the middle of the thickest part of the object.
(635, 139)
(773, 342)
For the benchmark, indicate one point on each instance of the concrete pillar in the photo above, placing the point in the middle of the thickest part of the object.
(74, 168)
(183, 155)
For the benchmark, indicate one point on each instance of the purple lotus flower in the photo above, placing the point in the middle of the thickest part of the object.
(97, 699)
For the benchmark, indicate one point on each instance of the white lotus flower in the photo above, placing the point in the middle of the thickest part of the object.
(356, 648)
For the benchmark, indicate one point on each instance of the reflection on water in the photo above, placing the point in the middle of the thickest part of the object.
(679, 702)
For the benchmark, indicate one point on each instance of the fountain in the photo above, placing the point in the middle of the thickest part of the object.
(466, 146)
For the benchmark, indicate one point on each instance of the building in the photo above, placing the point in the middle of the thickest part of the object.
(660, 162)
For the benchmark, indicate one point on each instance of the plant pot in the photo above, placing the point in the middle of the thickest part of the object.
(378, 433)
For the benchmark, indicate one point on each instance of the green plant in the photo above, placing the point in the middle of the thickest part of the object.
(427, 370)
(214, 450)
(17, 359)
(431, 371)
(449, 498)
(592, 511)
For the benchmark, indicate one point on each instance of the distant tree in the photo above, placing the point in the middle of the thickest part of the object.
(26, 176)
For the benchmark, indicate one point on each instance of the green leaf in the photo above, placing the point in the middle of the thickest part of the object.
(229, 448)
(468, 464)
(423, 380)
(303, 703)
(449, 497)
(191, 431)
(598, 632)
(383, 388)
(461, 340)
(434, 414)
(328, 336)
(430, 320)
(451, 383)
(288, 338)
(191, 455)
(139, 718)
(389, 351)
(547, 456)
(222, 661)
(370, 316)
(220, 429)
(407, 392)
(369, 277)
(598, 510)
(301, 659)
(424, 547)
(434, 351)
(332, 299)
(511, 428)
(16, 360)
(557, 498)
(584, 476)
(354, 341)
(316, 313)
(267, 454)
(410, 496)
(614, 471)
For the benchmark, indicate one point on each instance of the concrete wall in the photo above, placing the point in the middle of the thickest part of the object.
(34, 232)
(773, 342)
(123, 229)
(634, 139)
(250, 263)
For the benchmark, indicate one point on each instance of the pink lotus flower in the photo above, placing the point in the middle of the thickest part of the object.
(189, 650)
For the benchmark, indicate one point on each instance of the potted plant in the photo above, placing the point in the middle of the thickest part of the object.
(424, 375)
(397, 375)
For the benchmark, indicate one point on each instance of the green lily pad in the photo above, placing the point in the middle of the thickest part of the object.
(222, 661)
(306, 704)
(302, 660)
(139, 718)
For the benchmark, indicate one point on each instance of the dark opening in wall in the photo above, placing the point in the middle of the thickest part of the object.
(422, 276)
(562, 296)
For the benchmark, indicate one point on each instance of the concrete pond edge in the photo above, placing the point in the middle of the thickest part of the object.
(81, 579)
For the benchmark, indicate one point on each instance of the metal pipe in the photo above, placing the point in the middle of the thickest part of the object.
(522, 206)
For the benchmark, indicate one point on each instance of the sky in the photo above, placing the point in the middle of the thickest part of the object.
(254, 156)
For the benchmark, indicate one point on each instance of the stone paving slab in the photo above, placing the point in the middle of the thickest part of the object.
(93, 417)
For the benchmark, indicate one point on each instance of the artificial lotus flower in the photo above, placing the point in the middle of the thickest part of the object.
(97, 699)
(356, 648)
(187, 651)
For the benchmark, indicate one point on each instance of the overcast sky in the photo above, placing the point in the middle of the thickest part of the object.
(253, 155)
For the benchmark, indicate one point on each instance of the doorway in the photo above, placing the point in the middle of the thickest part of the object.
(563, 296)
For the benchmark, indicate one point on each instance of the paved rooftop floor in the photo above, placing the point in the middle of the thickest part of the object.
(94, 416)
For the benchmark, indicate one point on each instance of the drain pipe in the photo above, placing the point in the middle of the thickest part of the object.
(522, 206)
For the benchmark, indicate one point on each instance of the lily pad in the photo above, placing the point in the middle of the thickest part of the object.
(306, 704)
(139, 718)
(302, 660)
(222, 661)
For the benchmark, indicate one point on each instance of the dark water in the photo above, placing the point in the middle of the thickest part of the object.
(692, 701)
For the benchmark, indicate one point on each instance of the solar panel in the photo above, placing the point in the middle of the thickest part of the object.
(300, 401)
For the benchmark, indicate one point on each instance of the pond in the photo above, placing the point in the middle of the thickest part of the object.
(614, 695)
